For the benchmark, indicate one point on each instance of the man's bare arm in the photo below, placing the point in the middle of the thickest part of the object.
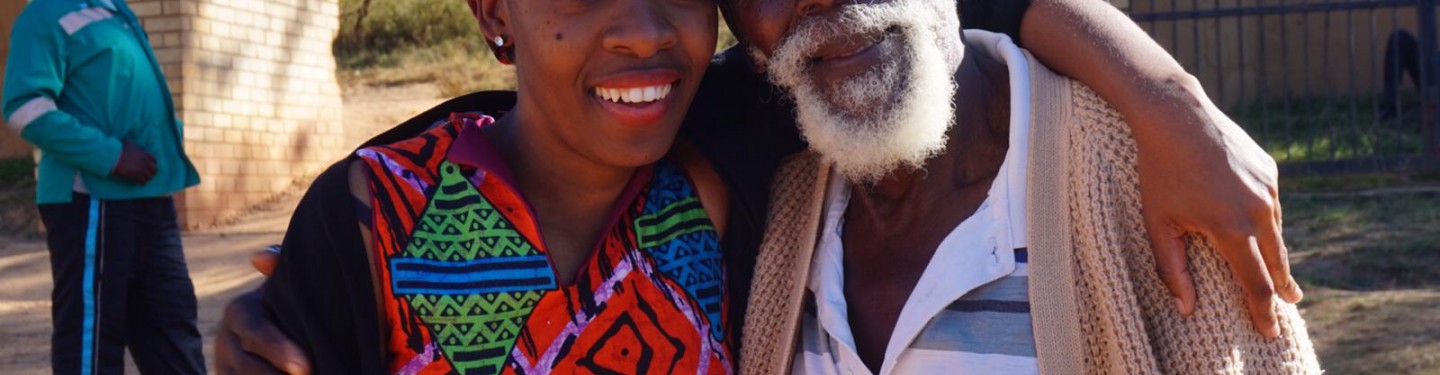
(1199, 172)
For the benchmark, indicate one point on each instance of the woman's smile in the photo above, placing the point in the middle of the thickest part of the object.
(637, 98)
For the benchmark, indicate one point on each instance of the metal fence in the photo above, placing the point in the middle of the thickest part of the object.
(1331, 86)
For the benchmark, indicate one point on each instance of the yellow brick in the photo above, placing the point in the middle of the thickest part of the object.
(145, 9)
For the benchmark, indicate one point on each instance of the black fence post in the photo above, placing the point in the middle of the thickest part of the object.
(1425, 11)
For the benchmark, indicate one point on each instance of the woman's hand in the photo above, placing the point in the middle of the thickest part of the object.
(248, 342)
(1203, 174)
(1199, 172)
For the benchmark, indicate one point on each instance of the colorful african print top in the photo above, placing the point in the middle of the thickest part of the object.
(467, 286)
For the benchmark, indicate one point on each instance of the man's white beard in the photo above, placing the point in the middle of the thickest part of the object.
(890, 117)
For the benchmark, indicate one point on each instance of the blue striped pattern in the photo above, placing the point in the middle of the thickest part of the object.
(87, 338)
(992, 319)
(480, 276)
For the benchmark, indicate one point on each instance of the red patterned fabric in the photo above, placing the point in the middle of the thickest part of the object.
(468, 287)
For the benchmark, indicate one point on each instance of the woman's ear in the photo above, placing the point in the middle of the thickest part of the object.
(494, 19)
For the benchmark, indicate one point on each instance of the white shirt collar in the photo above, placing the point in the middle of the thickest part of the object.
(961, 263)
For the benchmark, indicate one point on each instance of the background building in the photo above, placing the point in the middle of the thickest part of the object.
(10, 143)
(254, 83)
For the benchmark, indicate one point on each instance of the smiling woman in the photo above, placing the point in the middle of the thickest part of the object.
(567, 231)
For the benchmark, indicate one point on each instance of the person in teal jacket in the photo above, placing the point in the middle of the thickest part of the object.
(83, 85)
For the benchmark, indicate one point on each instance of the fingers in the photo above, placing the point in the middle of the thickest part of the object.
(257, 337)
(1277, 257)
(231, 359)
(135, 165)
(1242, 253)
(1172, 262)
(266, 260)
(150, 165)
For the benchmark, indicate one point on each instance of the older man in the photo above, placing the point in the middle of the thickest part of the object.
(965, 210)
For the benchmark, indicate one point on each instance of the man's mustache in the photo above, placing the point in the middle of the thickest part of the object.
(816, 31)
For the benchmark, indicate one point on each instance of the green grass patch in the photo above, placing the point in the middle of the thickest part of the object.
(17, 170)
(1355, 182)
(18, 215)
(1315, 129)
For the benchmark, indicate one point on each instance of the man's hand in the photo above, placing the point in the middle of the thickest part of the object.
(248, 342)
(135, 165)
(1214, 180)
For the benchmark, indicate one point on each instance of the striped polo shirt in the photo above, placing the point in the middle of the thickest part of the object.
(970, 311)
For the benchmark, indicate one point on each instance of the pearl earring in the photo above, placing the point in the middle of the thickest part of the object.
(499, 41)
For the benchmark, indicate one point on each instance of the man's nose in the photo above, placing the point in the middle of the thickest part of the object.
(807, 7)
(643, 32)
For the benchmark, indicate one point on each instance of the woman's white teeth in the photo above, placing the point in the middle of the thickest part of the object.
(634, 94)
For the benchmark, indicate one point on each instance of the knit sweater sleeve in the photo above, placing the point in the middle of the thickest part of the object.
(772, 317)
(1126, 317)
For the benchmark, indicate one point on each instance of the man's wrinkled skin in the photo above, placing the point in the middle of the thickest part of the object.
(1200, 173)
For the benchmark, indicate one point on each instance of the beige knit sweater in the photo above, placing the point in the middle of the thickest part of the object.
(1098, 305)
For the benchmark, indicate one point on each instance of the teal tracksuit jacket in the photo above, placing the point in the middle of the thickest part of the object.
(82, 79)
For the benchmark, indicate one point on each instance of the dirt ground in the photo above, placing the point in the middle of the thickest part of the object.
(371, 110)
(219, 267)
(1370, 266)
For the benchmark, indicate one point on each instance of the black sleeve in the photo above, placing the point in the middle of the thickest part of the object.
(1001, 16)
(745, 127)
(321, 294)
(494, 103)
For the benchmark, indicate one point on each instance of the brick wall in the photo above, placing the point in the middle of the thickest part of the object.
(254, 84)
(10, 143)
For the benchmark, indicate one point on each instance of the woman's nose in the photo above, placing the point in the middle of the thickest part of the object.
(644, 30)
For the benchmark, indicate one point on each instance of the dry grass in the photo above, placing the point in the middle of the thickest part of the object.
(1371, 268)
(454, 70)
(455, 66)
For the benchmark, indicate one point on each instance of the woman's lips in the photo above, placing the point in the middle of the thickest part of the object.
(637, 98)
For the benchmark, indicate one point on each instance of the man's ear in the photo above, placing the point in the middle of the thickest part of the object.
(493, 16)
(748, 53)
(727, 10)
(756, 66)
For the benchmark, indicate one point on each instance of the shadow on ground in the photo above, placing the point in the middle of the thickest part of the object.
(1371, 270)
(219, 267)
